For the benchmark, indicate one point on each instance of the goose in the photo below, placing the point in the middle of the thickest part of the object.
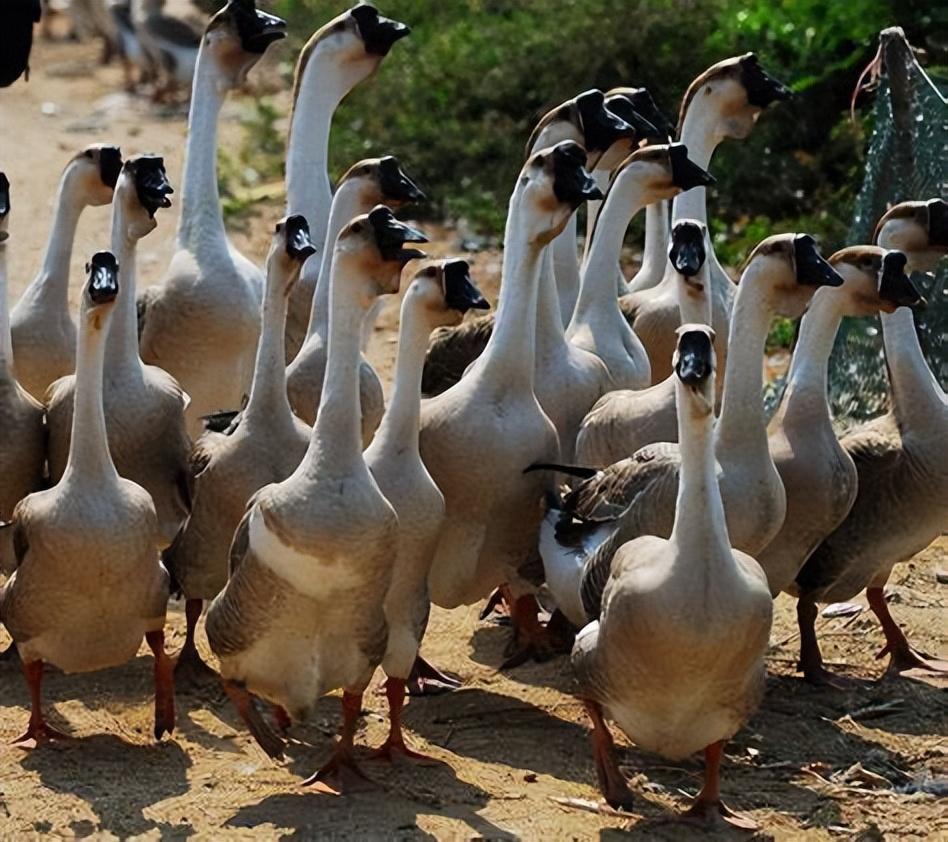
(266, 447)
(584, 120)
(23, 446)
(625, 420)
(340, 54)
(636, 496)
(88, 583)
(19, 17)
(366, 184)
(818, 474)
(675, 655)
(129, 47)
(723, 102)
(302, 613)
(144, 406)
(439, 294)
(202, 322)
(492, 507)
(648, 175)
(169, 31)
(44, 333)
(901, 503)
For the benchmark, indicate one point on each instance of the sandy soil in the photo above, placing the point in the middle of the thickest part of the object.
(507, 743)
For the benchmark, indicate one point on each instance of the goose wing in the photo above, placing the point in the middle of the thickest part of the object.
(452, 350)
(205, 449)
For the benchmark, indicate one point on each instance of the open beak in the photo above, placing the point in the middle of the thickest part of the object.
(571, 183)
(687, 252)
(812, 269)
(378, 33)
(762, 89)
(459, 290)
(396, 186)
(151, 182)
(103, 278)
(685, 172)
(894, 285)
(392, 235)
(299, 246)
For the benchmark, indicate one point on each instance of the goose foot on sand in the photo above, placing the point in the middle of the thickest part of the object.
(708, 809)
(164, 684)
(190, 669)
(902, 657)
(532, 640)
(612, 782)
(341, 773)
(425, 679)
(261, 731)
(394, 747)
(811, 659)
(38, 731)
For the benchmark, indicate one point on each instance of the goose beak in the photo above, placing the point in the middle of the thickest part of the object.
(624, 108)
(391, 235)
(459, 291)
(811, 268)
(378, 33)
(601, 127)
(299, 246)
(695, 360)
(762, 89)
(685, 172)
(110, 165)
(938, 222)
(644, 105)
(687, 252)
(257, 29)
(103, 278)
(571, 183)
(396, 186)
(894, 285)
(4, 196)
(151, 182)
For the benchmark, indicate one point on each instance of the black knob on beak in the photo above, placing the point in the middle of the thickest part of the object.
(812, 269)
(378, 33)
(762, 89)
(396, 185)
(687, 252)
(685, 172)
(571, 183)
(391, 235)
(894, 285)
(103, 278)
(695, 357)
(459, 290)
(299, 246)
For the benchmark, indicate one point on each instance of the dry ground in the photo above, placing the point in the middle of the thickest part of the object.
(506, 744)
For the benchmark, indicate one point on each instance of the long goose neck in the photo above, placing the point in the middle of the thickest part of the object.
(6, 340)
(54, 274)
(566, 269)
(398, 431)
(201, 221)
(916, 394)
(336, 443)
(510, 352)
(655, 250)
(742, 423)
(89, 458)
(700, 528)
(549, 324)
(123, 334)
(593, 209)
(598, 290)
(268, 400)
(345, 207)
(699, 134)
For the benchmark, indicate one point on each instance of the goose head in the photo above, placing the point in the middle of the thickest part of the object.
(638, 109)
(97, 167)
(552, 184)
(290, 248)
(732, 93)
(4, 207)
(792, 269)
(101, 290)
(919, 230)
(141, 190)
(372, 247)
(445, 292)
(661, 171)
(694, 363)
(874, 280)
(381, 181)
(687, 253)
(586, 120)
(237, 36)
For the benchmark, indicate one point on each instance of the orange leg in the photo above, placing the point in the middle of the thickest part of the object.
(394, 746)
(532, 640)
(708, 807)
(341, 771)
(612, 782)
(901, 654)
(261, 731)
(190, 668)
(164, 684)
(38, 731)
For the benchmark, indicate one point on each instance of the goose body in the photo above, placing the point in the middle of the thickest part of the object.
(676, 654)
(201, 324)
(170, 32)
(44, 333)
(88, 583)
(303, 613)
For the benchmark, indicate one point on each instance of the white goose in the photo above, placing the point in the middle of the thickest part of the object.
(312, 559)
(267, 446)
(676, 654)
(44, 333)
(339, 55)
(88, 584)
(202, 322)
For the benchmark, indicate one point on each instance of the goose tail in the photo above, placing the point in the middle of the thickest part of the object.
(563, 566)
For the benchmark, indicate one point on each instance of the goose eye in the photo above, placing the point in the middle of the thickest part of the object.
(279, 228)
(357, 228)
(89, 154)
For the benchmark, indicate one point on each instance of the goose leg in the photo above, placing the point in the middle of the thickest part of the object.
(341, 771)
(425, 679)
(811, 659)
(394, 746)
(38, 731)
(708, 807)
(532, 640)
(260, 730)
(190, 669)
(612, 782)
(902, 656)
(164, 684)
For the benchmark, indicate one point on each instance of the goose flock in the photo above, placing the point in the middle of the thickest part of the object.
(597, 443)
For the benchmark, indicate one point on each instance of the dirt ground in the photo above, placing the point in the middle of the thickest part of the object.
(507, 744)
